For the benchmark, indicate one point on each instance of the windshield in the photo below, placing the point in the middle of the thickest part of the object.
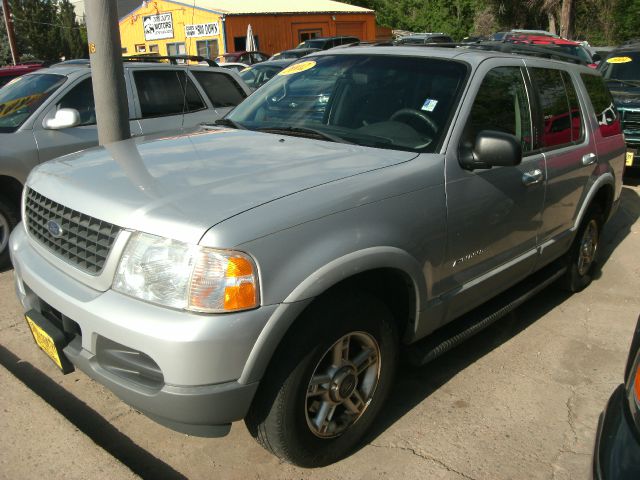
(576, 51)
(20, 98)
(313, 44)
(622, 66)
(401, 103)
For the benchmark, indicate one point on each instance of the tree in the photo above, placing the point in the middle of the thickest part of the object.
(5, 52)
(47, 29)
(73, 45)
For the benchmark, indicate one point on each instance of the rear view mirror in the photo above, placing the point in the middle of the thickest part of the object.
(64, 118)
(493, 149)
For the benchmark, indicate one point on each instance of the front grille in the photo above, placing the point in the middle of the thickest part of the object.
(631, 118)
(82, 241)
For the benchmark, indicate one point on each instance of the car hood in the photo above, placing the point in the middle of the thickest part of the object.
(181, 186)
(626, 98)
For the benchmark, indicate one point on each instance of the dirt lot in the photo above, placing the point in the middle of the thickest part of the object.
(520, 400)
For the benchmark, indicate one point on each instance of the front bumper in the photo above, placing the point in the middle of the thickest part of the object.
(617, 449)
(189, 363)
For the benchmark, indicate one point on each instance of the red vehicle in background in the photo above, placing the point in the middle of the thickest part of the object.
(563, 45)
(13, 71)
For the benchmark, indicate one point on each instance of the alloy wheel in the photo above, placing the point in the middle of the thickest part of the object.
(343, 384)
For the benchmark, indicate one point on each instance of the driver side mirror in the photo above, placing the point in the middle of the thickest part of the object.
(596, 57)
(492, 149)
(64, 118)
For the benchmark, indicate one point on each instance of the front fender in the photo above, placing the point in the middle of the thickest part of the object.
(318, 282)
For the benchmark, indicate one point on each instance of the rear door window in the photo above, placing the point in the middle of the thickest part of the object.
(222, 90)
(602, 101)
(577, 119)
(554, 89)
(162, 92)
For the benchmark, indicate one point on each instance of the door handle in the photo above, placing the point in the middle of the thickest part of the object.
(589, 158)
(532, 177)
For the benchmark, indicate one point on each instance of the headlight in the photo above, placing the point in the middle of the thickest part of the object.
(178, 275)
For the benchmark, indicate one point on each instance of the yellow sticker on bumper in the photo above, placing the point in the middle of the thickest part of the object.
(44, 341)
(629, 159)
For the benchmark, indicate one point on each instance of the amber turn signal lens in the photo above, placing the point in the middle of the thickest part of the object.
(240, 297)
(239, 267)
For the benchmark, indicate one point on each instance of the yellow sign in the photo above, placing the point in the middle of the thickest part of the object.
(298, 67)
(92, 47)
(629, 162)
(13, 106)
(619, 60)
(44, 341)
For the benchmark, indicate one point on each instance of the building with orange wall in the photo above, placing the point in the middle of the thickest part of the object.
(212, 27)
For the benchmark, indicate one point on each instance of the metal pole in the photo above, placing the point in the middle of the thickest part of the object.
(8, 22)
(105, 53)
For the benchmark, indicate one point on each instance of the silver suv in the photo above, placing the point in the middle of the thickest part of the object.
(364, 202)
(49, 113)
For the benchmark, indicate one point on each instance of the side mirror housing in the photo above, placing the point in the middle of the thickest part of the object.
(596, 57)
(492, 149)
(64, 118)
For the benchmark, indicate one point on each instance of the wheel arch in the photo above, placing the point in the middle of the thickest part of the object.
(11, 191)
(601, 193)
(376, 270)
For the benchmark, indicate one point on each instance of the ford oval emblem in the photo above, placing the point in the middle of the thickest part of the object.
(54, 228)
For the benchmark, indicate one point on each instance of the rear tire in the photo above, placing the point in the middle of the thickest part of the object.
(583, 255)
(327, 381)
(9, 218)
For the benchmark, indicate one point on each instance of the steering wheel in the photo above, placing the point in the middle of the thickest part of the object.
(405, 115)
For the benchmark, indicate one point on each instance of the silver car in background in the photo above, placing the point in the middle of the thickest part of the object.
(50, 113)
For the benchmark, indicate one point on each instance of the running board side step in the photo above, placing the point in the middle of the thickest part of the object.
(454, 333)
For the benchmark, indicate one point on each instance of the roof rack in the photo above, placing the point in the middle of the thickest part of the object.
(83, 62)
(173, 59)
(550, 51)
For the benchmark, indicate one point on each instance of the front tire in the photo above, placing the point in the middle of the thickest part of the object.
(327, 382)
(583, 254)
(8, 221)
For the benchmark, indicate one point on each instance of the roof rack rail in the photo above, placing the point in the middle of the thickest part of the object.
(550, 51)
(83, 62)
(173, 59)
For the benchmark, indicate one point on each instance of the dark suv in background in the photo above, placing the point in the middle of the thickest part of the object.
(621, 71)
(325, 43)
(424, 38)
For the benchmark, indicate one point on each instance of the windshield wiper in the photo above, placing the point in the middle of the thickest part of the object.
(307, 131)
(226, 122)
(630, 83)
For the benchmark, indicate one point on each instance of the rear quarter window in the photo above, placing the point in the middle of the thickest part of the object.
(603, 106)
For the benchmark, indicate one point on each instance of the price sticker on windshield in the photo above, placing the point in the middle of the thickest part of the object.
(298, 67)
(619, 60)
